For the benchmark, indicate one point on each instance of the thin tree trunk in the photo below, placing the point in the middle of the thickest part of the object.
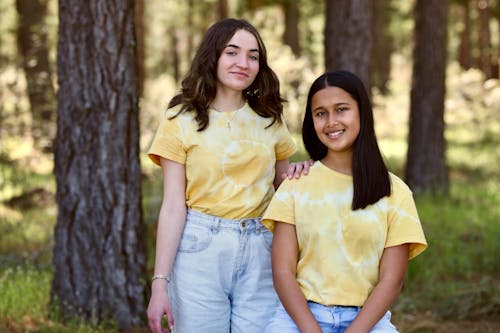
(33, 47)
(291, 34)
(426, 165)
(348, 40)
(382, 45)
(99, 257)
(484, 38)
(464, 57)
(174, 54)
(222, 9)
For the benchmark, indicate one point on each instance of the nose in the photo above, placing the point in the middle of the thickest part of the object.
(242, 61)
(332, 119)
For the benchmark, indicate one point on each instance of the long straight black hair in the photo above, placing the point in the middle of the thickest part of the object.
(370, 176)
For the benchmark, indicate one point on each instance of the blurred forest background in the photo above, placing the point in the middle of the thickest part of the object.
(78, 209)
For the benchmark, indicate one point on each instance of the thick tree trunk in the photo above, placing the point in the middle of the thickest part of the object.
(33, 47)
(291, 34)
(426, 165)
(99, 258)
(382, 45)
(348, 40)
(140, 36)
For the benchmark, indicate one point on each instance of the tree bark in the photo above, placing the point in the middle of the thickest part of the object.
(382, 45)
(484, 38)
(464, 56)
(33, 46)
(348, 40)
(99, 258)
(222, 9)
(426, 166)
(140, 36)
(291, 34)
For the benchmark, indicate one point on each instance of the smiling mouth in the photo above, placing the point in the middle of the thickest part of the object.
(241, 74)
(335, 134)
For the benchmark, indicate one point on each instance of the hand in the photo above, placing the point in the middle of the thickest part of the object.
(297, 169)
(159, 305)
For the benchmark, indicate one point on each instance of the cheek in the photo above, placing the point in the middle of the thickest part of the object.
(318, 126)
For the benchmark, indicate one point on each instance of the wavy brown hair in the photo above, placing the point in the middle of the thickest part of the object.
(199, 87)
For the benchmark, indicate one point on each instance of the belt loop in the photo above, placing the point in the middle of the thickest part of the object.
(215, 228)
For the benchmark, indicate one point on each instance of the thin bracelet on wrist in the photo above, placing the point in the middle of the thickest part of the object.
(160, 277)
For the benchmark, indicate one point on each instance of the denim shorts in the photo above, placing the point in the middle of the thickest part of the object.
(221, 281)
(331, 319)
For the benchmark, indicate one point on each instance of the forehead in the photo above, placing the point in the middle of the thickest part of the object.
(331, 95)
(244, 39)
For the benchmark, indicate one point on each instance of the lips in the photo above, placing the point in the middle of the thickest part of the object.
(335, 134)
(240, 74)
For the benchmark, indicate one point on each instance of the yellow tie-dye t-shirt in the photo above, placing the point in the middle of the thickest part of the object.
(229, 165)
(340, 249)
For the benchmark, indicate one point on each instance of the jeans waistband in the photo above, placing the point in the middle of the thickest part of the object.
(216, 222)
(334, 306)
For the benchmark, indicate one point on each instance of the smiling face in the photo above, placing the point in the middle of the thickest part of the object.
(238, 64)
(336, 119)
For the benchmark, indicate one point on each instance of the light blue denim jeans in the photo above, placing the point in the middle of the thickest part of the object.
(331, 319)
(221, 281)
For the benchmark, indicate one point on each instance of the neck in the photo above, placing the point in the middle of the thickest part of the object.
(226, 101)
(340, 162)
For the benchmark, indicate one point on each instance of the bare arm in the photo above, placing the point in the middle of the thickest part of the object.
(284, 261)
(171, 222)
(392, 270)
(280, 168)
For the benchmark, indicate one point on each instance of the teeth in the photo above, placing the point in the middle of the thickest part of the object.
(336, 133)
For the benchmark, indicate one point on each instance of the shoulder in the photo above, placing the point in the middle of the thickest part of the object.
(398, 187)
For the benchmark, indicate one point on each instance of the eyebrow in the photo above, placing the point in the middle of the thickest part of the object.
(237, 47)
(336, 105)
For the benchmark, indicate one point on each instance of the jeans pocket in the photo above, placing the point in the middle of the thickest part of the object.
(195, 239)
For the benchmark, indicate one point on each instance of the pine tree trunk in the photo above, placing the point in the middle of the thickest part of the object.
(464, 55)
(99, 257)
(382, 45)
(222, 9)
(348, 40)
(484, 36)
(33, 47)
(426, 165)
(140, 34)
(291, 34)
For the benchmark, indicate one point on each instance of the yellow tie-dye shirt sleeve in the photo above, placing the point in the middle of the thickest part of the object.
(167, 142)
(404, 225)
(281, 208)
(285, 146)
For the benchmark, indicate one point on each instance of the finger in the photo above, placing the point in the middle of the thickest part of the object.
(306, 167)
(170, 320)
(291, 170)
(298, 170)
(154, 325)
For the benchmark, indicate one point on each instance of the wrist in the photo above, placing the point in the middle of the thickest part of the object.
(160, 277)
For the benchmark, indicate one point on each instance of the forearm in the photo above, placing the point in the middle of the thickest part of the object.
(169, 232)
(377, 304)
(294, 302)
(392, 270)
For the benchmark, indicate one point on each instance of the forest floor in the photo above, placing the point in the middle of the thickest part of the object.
(426, 323)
